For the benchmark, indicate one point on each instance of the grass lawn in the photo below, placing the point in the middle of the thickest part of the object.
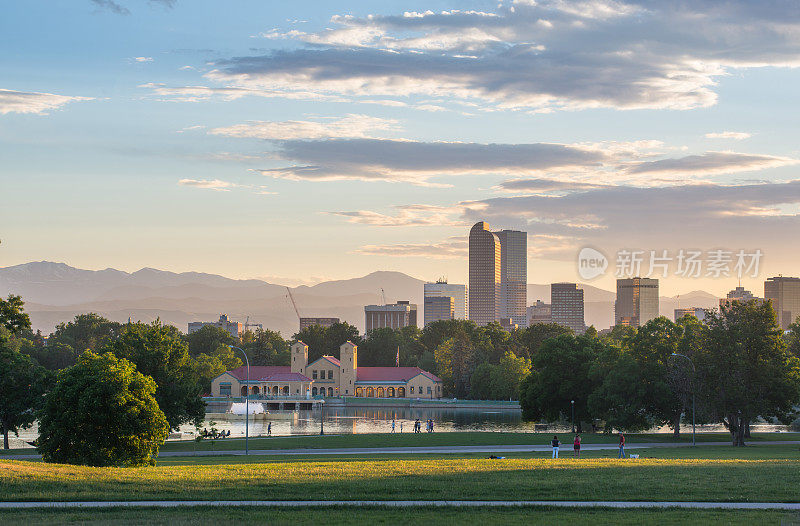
(414, 478)
(477, 438)
(449, 439)
(755, 452)
(533, 515)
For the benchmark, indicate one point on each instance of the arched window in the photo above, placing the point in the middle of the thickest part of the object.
(359, 391)
(275, 390)
(254, 390)
(390, 392)
(380, 392)
(244, 390)
(314, 391)
(370, 392)
(286, 390)
(401, 392)
(330, 391)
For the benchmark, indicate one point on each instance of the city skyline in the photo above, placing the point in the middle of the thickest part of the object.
(176, 131)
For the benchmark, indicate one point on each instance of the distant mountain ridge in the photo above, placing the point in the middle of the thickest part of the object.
(56, 292)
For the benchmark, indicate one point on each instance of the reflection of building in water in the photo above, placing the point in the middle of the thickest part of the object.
(328, 377)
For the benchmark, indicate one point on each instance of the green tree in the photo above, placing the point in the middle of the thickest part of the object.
(206, 340)
(534, 336)
(793, 338)
(102, 412)
(481, 382)
(508, 376)
(746, 370)
(437, 332)
(159, 351)
(267, 347)
(560, 374)
(207, 367)
(22, 384)
(621, 391)
(455, 362)
(12, 314)
(87, 332)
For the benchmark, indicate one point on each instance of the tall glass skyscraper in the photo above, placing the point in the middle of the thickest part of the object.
(484, 274)
(637, 301)
(514, 275)
(498, 275)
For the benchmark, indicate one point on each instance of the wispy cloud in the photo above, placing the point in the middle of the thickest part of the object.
(737, 136)
(142, 59)
(351, 125)
(407, 216)
(111, 6)
(33, 102)
(710, 163)
(452, 248)
(209, 184)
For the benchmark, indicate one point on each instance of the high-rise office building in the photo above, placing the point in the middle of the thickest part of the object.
(566, 306)
(784, 293)
(438, 308)
(452, 290)
(484, 274)
(637, 301)
(513, 275)
(396, 316)
(539, 312)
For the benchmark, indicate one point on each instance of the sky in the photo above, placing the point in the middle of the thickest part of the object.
(303, 141)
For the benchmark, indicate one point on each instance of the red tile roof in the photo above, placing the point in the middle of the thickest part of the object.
(272, 373)
(391, 374)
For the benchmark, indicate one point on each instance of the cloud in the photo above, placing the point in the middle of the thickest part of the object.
(206, 184)
(737, 136)
(544, 186)
(223, 186)
(417, 162)
(407, 216)
(351, 125)
(33, 102)
(709, 163)
(452, 248)
(110, 5)
(204, 93)
(142, 59)
(541, 56)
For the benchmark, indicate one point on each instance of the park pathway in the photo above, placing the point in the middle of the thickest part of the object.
(366, 451)
(793, 506)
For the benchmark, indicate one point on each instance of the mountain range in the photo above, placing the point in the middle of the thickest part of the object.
(56, 292)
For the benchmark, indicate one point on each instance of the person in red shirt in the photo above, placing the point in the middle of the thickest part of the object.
(621, 446)
(576, 446)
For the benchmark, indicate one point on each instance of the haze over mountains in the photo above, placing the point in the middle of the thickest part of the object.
(56, 292)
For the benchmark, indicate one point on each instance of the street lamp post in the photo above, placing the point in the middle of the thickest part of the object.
(246, 403)
(572, 403)
(694, 375)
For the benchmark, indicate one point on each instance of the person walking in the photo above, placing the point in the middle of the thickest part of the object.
(621, 446)
(401, 426)
(392, 425)
(576, 446)
(269, 429)
(555, 443)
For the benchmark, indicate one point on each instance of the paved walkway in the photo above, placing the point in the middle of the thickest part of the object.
(406, 503)
(429, 449)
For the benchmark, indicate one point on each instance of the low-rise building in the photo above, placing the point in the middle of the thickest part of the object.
(395, 316)
(305, 323)
(234, 328)
(697, 312)
(328, 376)
(539, 312)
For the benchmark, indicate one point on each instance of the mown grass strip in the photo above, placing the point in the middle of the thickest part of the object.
(409, 479)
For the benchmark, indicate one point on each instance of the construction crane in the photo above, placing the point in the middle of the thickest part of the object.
(293, 303)
(383, 296)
